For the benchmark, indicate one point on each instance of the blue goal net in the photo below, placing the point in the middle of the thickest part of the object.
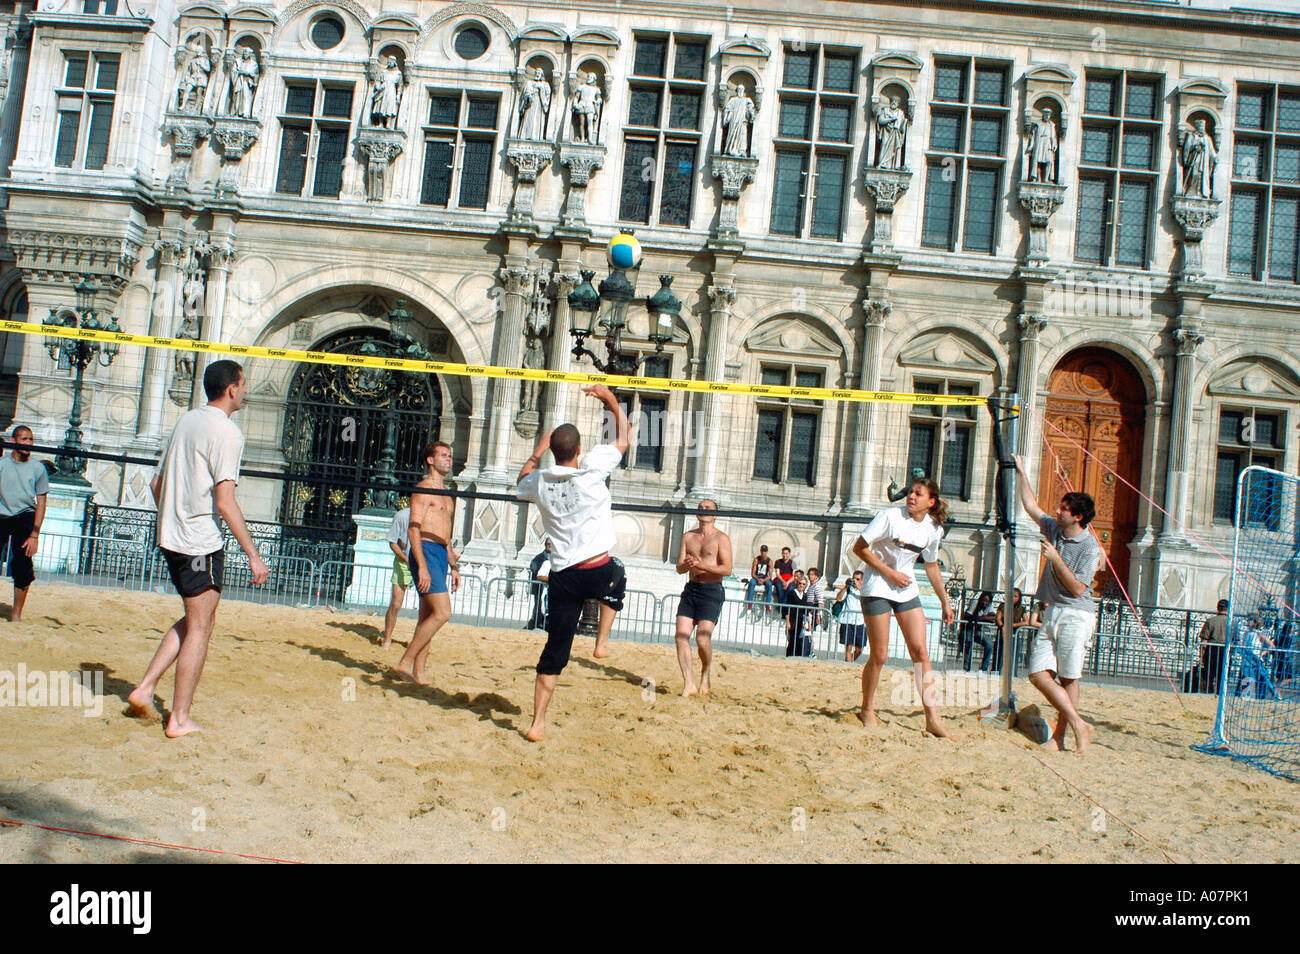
(1258, 719)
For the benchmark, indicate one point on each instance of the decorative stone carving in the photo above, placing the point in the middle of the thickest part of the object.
(529, 158)
(68, 257)
(1188, 338)
(876, 311)
(1195, 215)
(735, 172)
(722, 297)
(1031, 326)
(387, 86)
(243, 74)
(581, 160)
(537, 322)
(194, 67)
(235, 136)
(1198, 157)
(892, 119)
(1040, 200)
(534, 104)
(587, 107)
(186, 132)
(736, 113)
(380, 147)
(1041, 146)
(193, 261)
(886, 187)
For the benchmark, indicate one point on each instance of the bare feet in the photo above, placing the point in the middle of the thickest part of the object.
(140, 704)
(705, 686)
(868, 718)
(690, 690)
(936, 728)
(535, 733)
(602, 648)
(405, 675)
(177, 727)
(1053, 744)
(384, 643)
(1082, 739)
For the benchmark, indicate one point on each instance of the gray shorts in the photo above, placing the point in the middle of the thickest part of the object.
(883, 606)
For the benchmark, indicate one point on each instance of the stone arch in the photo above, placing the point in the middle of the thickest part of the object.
(1127, 346)
(346, 8)
(477, 11)
(1277, 365)
(965, 329)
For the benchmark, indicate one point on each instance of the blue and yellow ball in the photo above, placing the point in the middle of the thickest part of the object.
(624, 251)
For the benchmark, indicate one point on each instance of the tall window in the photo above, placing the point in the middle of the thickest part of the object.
(965, 159)
(941, 439)
(462, 126)
(314, 133)
(662, 140)
(786, 446)
(1264, 233)
(813, 142)
(1247, 436)
(1121, 151)
(647, 412)
(85, 106)
(99, 6)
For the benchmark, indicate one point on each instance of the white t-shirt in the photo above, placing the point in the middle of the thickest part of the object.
(575, 506)
(544, 571)
(401, 526)
(204, 450)
(898, 539)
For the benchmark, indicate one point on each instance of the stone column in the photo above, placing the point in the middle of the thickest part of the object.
(153, 387)
(555, 403)
(1188, 337)
(219, 260)
(864, 428)
(721, 297)
(1031, 327)
(505, 393)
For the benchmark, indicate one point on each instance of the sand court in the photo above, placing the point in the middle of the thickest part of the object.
(313, 753)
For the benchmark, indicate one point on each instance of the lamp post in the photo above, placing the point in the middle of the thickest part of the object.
(402, 345)
(616, 294)
(79, 353)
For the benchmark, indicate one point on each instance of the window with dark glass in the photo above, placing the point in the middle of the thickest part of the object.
(459, 149)
(647, 413)
(815, 110)
(1118, 163)
(85, 109)
(786, 441)
(965, 156)
(663, 130)
(1263, 231)
(941, 439)
(1247, 437)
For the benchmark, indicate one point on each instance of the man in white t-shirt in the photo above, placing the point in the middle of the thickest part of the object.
(575, 505)
(23, 485)
(402, 578)
(194, 488)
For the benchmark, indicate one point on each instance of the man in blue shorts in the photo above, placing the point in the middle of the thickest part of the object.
(705, 554)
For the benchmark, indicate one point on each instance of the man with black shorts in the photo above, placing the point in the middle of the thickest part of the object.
(576, 510)
(23, 486)
(705, 554)
(194, 488)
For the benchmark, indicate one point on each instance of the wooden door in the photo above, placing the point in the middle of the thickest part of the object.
(1097, 400)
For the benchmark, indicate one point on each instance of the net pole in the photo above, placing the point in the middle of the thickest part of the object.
(1009, 569)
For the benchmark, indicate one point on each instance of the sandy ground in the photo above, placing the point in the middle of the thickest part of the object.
(312, 753)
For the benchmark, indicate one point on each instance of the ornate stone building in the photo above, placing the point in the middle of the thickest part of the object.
(1094, 204)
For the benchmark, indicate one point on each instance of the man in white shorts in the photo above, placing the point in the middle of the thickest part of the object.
(1058, 652)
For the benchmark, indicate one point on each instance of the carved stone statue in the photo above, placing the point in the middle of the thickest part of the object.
(1199, 158)
(1041, 144)
(896, 493)
(891, 132)
(386, 97)
(534, 104)
(587, 102)
(244, 73)
(192, 295)
(192, 84)
(737, 112)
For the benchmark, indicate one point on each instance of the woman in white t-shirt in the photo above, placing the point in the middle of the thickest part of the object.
(890, 546)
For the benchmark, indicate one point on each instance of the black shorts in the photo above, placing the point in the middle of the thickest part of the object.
(701, 602)
(15, 530)
(566, 591)
(883, 605)
(853, 634)
(192, 575)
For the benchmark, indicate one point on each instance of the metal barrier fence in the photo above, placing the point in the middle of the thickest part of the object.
(1120, 653)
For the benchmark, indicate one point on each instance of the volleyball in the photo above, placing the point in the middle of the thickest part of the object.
(624, 251)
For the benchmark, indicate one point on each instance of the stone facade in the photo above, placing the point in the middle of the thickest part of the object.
(193, 184)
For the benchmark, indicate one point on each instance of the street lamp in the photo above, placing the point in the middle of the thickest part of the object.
(617, 293)
(79, 353)
(401, 345)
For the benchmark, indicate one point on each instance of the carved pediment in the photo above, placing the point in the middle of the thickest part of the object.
(1255, 378)
(744, 46)
(790, 336)
(1051, 73)
(1203, 86)
(545, 32)
(396, 21)
(896, 59)
(948, 351)
(596, 36)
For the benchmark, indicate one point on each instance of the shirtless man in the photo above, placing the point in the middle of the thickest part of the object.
(430, 535)
(705, 554)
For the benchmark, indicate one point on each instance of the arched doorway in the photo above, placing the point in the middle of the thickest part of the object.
(336, 422)
(1098, 400)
